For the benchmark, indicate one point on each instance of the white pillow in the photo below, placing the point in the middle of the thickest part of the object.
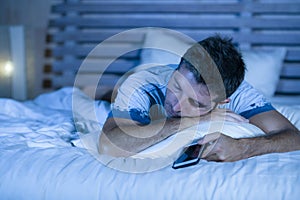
(164, 46)
(263, 69)
(263, 66)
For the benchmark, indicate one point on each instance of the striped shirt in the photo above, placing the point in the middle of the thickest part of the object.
(143, 94)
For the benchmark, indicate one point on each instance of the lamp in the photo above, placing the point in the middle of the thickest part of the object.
(8, 69)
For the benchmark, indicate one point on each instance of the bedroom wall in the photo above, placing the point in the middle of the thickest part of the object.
(33, 15)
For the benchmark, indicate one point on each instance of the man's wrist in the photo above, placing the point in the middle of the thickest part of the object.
(257, 146)
(248, 147)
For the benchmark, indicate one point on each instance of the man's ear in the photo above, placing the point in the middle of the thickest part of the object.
(225, 101)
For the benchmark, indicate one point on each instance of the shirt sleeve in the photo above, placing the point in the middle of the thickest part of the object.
(131, 102)
(247, 101)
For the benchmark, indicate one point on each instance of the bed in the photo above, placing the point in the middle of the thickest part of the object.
(48, 145)
(47, 152)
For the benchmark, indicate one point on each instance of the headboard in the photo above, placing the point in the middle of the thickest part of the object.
(77, 26)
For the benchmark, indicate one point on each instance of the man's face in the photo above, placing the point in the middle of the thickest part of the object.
(185, 97)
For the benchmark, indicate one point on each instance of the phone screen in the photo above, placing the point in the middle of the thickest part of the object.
(190, 156)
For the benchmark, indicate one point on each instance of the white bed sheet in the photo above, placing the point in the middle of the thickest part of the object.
(38, 161)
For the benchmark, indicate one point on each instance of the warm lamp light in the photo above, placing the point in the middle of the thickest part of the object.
(8, 68)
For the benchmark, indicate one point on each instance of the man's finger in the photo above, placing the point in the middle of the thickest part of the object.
(209, 138)
(212, 157)
(210, 141)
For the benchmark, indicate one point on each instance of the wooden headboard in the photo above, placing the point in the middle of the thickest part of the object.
(77, 26)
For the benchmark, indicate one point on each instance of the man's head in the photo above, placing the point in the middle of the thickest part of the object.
(209, 72)
(226, 58)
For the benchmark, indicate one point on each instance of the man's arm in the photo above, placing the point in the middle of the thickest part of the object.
(124, 137)
(281, 136)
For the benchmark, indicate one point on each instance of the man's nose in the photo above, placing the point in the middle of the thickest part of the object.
(177, 106)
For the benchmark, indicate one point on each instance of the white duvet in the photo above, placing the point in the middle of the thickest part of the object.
(38, 159)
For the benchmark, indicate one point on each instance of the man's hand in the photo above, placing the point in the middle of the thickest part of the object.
(224, 115)
(214, 115)
(281, 136)
(222, 148)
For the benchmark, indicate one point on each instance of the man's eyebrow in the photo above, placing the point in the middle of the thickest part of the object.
(176, 80)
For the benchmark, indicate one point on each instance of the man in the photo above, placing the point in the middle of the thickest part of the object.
(154, 104)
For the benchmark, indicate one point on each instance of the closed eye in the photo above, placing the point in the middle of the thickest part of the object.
(196, 103)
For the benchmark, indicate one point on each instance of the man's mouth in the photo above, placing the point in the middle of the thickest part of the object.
(170, 112)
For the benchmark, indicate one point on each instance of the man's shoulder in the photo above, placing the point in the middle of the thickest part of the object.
(245, 89)
(158, 75)
(145, 84)
(158, 70)
(246, 98)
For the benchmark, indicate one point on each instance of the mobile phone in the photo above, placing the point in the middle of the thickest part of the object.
(190, 156)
